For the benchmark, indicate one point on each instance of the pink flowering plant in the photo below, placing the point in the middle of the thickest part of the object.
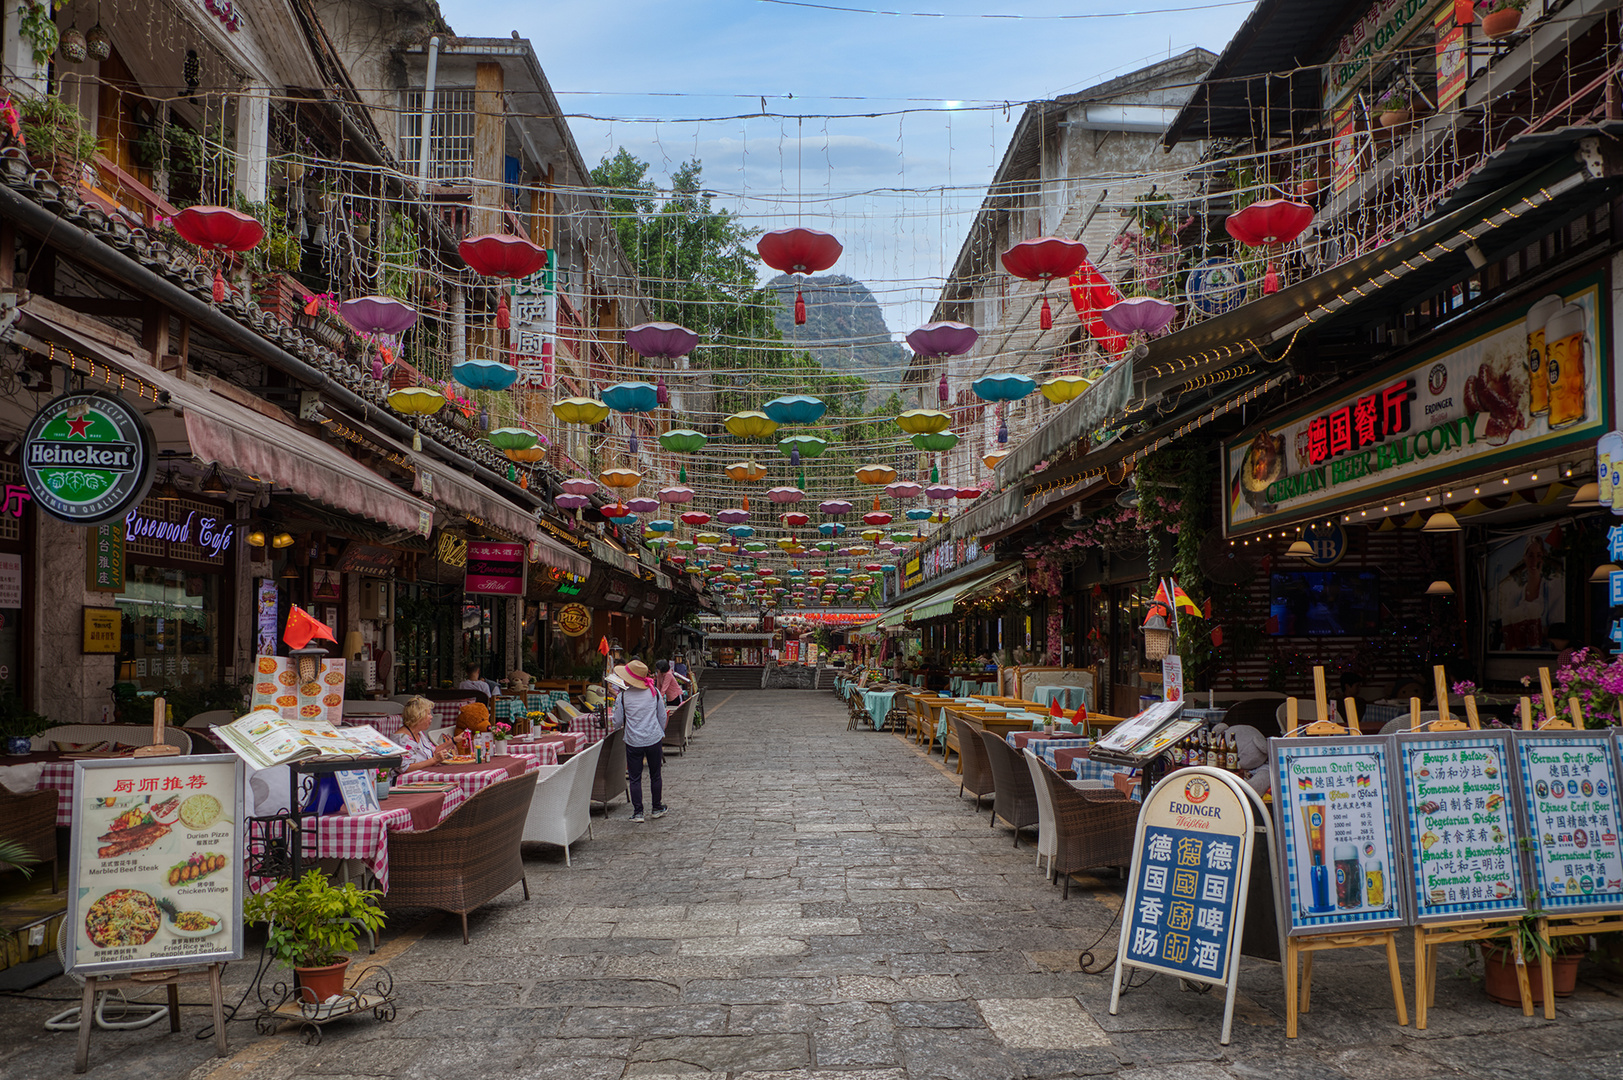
(1596, 680)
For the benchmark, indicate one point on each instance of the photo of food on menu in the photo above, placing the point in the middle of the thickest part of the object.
(1339, 839)
(277, 686)
(158, 853)
(263, 738)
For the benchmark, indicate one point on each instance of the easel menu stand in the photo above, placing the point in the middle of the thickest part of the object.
(146, 980)
(1551, 927)
(1298, 995)
(1429, 936)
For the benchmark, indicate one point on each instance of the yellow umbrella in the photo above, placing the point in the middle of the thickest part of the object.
(1062, 388)
(580, 410)
(620, 478)
(876, 474)
(923, 421)
(533, 454)
(751, 425)
(992, 459)
(416, 401)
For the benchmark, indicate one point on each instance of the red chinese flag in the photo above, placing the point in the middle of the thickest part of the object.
(1081, 716)
(603, 646)
(1054, 710)
(302, 626)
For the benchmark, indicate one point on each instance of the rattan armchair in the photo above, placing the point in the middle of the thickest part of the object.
(30, 819)
(1090, 828)
(468, 859)
(977, 776)
(610, 782)
(1014, 797)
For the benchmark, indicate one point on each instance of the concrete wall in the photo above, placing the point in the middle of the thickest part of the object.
(69, 687)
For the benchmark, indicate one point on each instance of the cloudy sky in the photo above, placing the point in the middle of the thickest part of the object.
(668, 79)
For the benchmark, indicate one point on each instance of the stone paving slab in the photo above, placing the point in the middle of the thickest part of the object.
(823, 905)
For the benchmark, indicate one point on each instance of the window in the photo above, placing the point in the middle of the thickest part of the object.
(171, 622)
(450, 147)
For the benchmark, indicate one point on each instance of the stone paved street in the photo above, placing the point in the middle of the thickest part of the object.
(819, 903)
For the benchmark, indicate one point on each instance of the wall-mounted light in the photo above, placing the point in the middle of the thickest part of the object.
(1439, 588)
(282, 539)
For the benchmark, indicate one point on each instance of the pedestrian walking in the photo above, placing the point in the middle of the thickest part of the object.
(640, 709)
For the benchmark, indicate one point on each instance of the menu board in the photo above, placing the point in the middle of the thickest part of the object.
(1191, 855)
(1125, 737)
(155, 873)
(1459, 817)
(1333, 803)
(1569, 786)
(277, 687)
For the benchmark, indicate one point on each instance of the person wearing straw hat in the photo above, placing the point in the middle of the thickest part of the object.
(640, 709)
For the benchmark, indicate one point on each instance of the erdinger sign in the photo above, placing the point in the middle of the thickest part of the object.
(87, 458)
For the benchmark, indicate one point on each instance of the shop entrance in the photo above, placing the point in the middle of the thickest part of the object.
(1128, 601)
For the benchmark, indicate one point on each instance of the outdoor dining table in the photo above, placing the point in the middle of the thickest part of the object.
(473, 777)
(446, 712)
(1070, 697)
(566, 742)
(56, 775)
(365, 837)
(877, 702)
(1075, 759)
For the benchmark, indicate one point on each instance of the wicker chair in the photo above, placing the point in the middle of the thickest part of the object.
(610, 781)
(1014, 796)
(679, 726)
(30, 819)
(977, 768)
(468, 859)
(1090, 828)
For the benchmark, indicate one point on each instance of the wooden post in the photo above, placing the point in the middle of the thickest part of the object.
(489, 158)
(1320, 698)
(158, 747)
(1549, 693)
(1440, 681)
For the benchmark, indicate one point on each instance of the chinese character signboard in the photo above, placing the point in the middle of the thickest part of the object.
(1191, 868)
(155, 873)
(535, 325)
(101, 630)
(1333, 820)
(277, 687)
(1530, 381)
(495, 569)
(1460, 830)
(104, 558)
(1569, 786)
(1453, 62)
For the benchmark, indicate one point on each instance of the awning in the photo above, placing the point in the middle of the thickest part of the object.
(458, 492)
(254, 443)
(942, 602)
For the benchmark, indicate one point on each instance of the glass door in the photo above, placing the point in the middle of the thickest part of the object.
(1128, 601)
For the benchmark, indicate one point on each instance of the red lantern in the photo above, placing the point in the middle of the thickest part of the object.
(501, 255)
(1043, 259)
(218, 228)
(1091, 293)
(799, 251)
(1269, 224)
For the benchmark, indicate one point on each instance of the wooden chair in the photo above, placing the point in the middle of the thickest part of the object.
(610, 781)
(468, 859)
(1090, 828)
(977, 768)
(1014, 797)
(30, 819)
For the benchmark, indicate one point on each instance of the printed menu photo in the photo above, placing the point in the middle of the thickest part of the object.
(156, 865)
(1333, 824)
(1569, 785)
(1460, 831)
(277, 686)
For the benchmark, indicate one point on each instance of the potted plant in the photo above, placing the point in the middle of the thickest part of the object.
(313, 928)
(1394, 107)
(293, 168)
(18, 725)
(57, 137)
(500, 732)
(326, 196)
(1499, 962)
(1505, 19)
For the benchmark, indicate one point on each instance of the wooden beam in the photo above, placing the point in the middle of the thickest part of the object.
(155, 333)
(489, 141)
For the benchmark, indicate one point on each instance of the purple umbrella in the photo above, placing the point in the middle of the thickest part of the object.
(567, 501)
(661, 340)
(941, 492)
(785, 494)
(580, 485)
(903, 489)
(834, 507)
(642, 504)
(1139, 315)
(732, 516)
(943, 339)
(379, 315)
(679, 493)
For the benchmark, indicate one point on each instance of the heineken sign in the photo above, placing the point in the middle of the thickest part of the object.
(87, 458)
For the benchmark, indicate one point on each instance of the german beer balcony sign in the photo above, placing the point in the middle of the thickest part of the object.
(87, 458)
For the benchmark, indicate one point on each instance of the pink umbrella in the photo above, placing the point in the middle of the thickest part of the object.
(785, 494)
(1147, 315)
(642, 504)
(732, 516)
(903, 489)
(941, 492)
(661, 340)
(676, 495)
(580, 485)
(834, 507)
(567, 501)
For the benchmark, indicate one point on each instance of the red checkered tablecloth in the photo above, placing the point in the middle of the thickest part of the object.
(386, 724)
(473, 779)
(366, 837)
(446, 712)
(59, 775)
(562, 742)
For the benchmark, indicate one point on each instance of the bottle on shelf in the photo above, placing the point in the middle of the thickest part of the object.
(1232, 764)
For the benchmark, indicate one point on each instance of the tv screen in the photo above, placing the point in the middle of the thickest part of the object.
(1323, 602)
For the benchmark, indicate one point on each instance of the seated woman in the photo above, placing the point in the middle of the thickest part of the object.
(421, 752)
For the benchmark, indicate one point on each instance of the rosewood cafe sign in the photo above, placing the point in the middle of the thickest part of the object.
(87, 458)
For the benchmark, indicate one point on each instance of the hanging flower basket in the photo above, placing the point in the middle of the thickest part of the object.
(1501, 23)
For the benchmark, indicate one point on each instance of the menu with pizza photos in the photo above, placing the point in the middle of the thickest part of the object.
(277, 686)
(155, 873)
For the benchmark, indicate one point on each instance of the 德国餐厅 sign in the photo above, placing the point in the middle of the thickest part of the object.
(1535, 379)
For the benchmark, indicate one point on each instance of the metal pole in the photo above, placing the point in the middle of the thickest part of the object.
(428, 109)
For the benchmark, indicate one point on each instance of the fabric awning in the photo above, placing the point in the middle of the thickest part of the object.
(942, 602)
(460, 493)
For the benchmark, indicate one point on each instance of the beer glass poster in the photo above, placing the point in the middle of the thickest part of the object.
(1534, 379)
(155, 875)
(1460, 833)
(1333, 823)
(1569, 785)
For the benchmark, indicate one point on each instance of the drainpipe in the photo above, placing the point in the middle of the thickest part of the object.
(428, 110)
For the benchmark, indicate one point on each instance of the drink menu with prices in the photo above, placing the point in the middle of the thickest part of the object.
(1569, 784)
(1460, 825)
(155, 876)
(277, 686)
(1333, 823)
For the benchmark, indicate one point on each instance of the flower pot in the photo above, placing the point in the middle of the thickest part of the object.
(1306, 189)
(318, 984)
(1395, 117)
(382, 788)
(294, 169)
(1501, 23)
(17, 745)
(1499, 976)
(498, 748)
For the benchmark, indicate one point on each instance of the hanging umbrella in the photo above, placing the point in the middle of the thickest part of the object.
(683, 440)
(1270, 224)
(795, 409)
(1044, 259)
(218, 228)
(675, 495)
(661, 340)
(1147, 315)
(903, 489)
(799, 251)
(935, 442)
(580, 410)
(1063, 388)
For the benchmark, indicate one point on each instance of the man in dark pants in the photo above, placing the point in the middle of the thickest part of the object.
(640, 709)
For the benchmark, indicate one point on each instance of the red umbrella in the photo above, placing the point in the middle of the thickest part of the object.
(501, 255)
(1091, 293)
(1043, 259)
(1269, 224)
(799, 251)
(218, 228)
(969, 493)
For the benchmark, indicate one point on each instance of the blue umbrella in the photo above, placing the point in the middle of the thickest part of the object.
(632, 397)
(1007, 386)
(795, 409)
(484, 374)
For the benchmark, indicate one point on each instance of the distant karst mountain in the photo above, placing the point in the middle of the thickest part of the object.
(845, 330)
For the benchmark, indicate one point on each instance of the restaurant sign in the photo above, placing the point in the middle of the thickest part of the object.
(87, 458)
(1534, 380)
(948, 555)
(1191, 870)
(495, 569)
(1385, 28)
(1569, 784)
